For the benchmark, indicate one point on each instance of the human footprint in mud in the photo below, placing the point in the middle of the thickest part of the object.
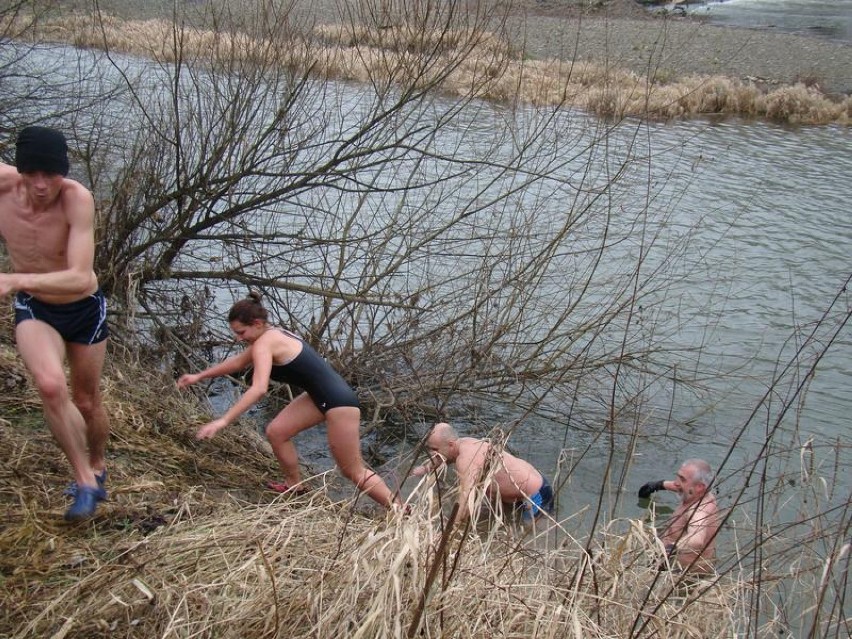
(276, 354)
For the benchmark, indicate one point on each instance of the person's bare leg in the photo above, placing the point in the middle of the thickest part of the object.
(43, 350)
(344, 440)
(299, 415)
(87, 362)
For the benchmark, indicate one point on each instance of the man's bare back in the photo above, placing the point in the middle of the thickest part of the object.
(514, 480)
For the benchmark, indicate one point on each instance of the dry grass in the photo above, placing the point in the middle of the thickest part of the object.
(188, 546)
(493, 70)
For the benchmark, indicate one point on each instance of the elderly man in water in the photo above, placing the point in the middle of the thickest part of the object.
(690, 533)
(514, 481)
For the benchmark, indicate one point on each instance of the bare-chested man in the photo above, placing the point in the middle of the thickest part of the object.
(515, 481)
(690, 533)
(47, 224)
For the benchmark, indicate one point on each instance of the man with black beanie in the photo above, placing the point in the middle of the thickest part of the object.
(47, 224)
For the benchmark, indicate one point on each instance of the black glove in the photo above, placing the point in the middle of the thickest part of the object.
(651, 487)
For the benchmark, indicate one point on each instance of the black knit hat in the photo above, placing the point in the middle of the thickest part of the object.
(41, 149)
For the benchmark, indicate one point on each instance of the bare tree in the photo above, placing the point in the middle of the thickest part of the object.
(443, 252)
(394, 219)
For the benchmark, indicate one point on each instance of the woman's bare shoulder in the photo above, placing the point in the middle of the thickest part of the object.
(282, 344)
(280, 335)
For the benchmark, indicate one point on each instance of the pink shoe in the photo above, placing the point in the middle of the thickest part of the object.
(284, 487)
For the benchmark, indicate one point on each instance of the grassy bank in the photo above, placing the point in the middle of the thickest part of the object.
(498, 71)
(188, 545)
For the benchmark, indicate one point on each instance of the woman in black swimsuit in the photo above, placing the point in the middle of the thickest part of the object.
(276, 354)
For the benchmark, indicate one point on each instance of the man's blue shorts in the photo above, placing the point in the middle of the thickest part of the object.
(80, 322)
(541, 502)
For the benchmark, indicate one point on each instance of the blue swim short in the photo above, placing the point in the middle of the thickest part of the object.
(541, 502)
(80, 322)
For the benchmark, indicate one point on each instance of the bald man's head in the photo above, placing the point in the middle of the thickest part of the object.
(442, 440)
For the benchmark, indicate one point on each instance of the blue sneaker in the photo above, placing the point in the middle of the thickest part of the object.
(85, 503)
(71, 489)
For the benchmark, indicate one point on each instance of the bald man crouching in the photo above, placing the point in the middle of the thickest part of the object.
(516, 482)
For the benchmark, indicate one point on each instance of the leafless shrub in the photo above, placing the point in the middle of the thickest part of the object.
(406, 229)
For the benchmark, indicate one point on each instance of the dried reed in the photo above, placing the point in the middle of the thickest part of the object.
(188, 546)
(493, 70)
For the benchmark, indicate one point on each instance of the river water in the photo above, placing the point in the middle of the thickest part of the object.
(770, 207)
(831, 20)
(774, 203)
(768, 211)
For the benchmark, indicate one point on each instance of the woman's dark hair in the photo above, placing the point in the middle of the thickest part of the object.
(248, 310)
